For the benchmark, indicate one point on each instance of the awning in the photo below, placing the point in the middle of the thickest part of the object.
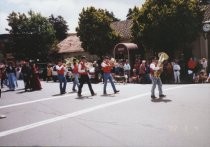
(124, 49)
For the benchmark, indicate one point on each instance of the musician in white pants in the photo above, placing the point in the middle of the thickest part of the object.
(176, 68)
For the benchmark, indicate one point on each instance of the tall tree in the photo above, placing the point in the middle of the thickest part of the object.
(132, 12)
(60, 26)
(166, 25)
(32, 35)
(94, 31)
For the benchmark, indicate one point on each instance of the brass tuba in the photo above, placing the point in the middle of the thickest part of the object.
(112, 62)
(162, 57)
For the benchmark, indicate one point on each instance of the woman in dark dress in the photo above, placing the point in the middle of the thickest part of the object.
(35, 82)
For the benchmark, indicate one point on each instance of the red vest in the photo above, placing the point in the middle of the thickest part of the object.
(75, 69)
(83, 68)
(107, 69)
(61, 71)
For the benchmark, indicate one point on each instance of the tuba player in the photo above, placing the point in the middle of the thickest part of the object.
(155, 70)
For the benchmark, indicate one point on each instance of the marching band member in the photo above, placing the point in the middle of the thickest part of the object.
(61, 69)
(76, 75)
(106, 67)
(83, 71)
(154, 68)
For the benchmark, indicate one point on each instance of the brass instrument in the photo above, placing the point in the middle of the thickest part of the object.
(69, 61)
(112, 62)
(162, 57)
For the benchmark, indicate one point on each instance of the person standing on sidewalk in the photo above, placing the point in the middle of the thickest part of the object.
(127, 69)
(75, 74)
(49, 73)
(176, 68)
(155, 77)
(1, 66)
(61, 69)
(11, 75)
(107, 67)
(84, 78)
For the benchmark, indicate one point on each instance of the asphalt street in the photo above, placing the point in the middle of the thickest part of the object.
(129, 118)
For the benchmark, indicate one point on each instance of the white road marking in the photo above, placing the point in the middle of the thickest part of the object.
(40, 100)
(44, 99)
(77, 113)
(35, 101)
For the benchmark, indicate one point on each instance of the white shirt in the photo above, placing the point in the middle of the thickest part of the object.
(60, 67)
(154, 67)
(103, 64)
(176, 67)
(127, 66)
(204, 63)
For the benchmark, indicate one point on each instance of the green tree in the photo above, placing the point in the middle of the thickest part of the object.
(132, 12)
(94, 31)
(32, 35)
(166, 25)
(60, 26)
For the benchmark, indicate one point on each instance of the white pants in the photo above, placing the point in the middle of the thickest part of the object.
(176, 77)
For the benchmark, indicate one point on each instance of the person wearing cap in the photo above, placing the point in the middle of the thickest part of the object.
(84, 78)
(75, 74)
(107, 67)
(155, 79)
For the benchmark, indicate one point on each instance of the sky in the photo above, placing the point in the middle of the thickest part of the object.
(68, 9)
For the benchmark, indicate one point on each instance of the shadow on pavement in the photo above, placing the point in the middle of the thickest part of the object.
(108, 95)
(21, 92)
(161, 100)
(5, 91)
(83, 97)
(25, 91)
(12, 90)
(57, 94)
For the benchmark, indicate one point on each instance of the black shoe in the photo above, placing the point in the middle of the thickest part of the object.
(116, 91)
(79, 95)
(74, 90)
(153, 97)
(93, 94)
(162, 95)
(105, 93)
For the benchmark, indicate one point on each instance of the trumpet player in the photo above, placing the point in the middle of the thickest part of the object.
(84, 78)
(156, 80)
(61, 70)
(76, 75)
(107, 67)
